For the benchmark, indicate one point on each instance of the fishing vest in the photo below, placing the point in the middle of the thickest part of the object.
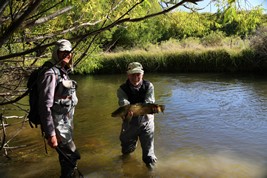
(65, 98)
(135, 95)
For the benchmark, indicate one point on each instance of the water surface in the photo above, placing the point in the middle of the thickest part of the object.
(214, 126)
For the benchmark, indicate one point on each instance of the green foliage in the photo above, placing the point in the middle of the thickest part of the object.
(182, 27)
(229, 15)
(258, 44)
(249, 21)
(239, 22)
(187, 29)
(88, 66)
(177, 26)
(213, 39)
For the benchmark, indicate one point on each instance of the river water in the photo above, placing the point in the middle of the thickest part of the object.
(214, 126)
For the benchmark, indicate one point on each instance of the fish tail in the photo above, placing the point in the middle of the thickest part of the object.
(162, 108)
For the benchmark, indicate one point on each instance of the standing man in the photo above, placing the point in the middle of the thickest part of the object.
(137, 90)
(57, 99)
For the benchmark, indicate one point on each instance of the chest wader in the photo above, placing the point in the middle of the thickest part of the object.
(65, 100)
(141, 127)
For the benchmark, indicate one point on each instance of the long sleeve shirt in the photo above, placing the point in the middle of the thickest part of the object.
(47, 87)
(123, 98)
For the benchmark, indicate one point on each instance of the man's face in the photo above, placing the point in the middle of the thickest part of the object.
(135, 79)
(64, 56)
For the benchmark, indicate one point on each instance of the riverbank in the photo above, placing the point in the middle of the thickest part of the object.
(197, 60)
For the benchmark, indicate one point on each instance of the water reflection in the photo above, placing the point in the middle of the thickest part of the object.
(214, 126)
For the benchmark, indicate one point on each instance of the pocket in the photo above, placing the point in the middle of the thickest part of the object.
(60, 108)
(70, 84)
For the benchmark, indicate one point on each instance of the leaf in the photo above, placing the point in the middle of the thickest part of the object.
(229, 15)
(231, 1)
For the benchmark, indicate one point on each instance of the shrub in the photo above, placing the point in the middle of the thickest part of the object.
(213, 39)
(258, 42)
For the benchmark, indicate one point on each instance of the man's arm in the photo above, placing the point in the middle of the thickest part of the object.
(123, 100)
(150, 96)
(122, 97)
(46, 99)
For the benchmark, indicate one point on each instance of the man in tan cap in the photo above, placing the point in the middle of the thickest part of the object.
(57, 99)
(137, 90)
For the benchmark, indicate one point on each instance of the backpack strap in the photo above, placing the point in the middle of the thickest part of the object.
(57, 73)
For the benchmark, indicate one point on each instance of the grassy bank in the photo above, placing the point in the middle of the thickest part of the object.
(175, 61)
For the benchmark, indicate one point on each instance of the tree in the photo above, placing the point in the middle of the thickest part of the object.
(29, 29)
(238, 17)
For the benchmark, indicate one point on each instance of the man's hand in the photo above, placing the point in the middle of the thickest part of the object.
(128, 116)
(52, 141)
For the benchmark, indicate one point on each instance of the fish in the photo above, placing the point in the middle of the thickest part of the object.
(138, 109)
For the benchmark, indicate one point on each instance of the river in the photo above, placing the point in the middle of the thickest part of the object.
(214, 126)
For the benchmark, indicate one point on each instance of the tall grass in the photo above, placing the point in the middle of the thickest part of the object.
(218, 60)
(210, 54)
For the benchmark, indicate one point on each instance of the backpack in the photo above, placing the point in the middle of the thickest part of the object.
(32, 85)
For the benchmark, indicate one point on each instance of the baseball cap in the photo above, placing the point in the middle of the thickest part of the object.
(135, 67)
(64, 45)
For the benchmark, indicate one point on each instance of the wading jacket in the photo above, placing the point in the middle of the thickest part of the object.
(58, 98)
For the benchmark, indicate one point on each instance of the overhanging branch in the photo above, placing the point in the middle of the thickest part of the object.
(117, 22)
(47, 18)
(14, 26)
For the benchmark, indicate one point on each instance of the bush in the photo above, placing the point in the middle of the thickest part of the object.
(213, 39)
(258, 42)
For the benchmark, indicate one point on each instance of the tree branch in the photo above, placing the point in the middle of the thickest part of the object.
(117, 22)
(17, 23)
(62, 32)
(47, 18)
(3, 4)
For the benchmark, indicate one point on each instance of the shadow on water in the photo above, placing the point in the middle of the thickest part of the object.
(214, 126)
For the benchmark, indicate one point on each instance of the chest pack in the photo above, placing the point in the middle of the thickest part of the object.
(32, 85)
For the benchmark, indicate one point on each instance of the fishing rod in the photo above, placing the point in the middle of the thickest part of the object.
(69, 160)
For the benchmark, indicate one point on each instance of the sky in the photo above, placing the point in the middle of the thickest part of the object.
(246, 4)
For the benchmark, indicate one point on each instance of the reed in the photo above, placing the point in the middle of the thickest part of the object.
(175, 61)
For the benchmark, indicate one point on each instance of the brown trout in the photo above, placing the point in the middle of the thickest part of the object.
(138, 109)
